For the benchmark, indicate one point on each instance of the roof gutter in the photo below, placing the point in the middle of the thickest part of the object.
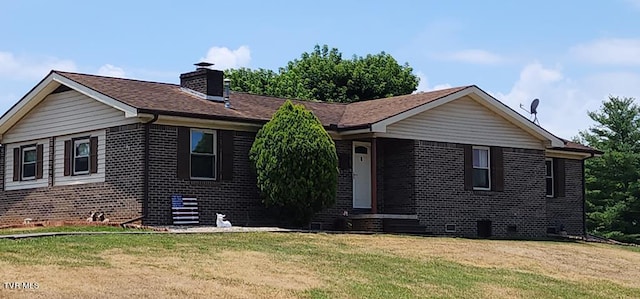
(200, 116)
(594, 153)
(335, 127)
(156, 113)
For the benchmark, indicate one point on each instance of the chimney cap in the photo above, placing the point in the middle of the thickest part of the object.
(203, 65)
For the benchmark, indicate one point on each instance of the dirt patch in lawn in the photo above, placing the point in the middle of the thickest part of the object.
(557, 259)
(234, 274)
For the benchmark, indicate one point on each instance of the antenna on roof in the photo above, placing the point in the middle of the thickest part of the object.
(533, 110)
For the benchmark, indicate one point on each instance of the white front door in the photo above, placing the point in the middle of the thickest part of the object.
(362, 175)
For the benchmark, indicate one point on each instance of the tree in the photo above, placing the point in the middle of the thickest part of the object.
(324, 75)
(296, 163)
(613, 180)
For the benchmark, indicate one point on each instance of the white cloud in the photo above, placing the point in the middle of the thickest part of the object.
(609, 51)
(559, 111)
(475, 56)
(224, 58)
(111, 71)
(564, 101)
(423, 85)
(27, 67)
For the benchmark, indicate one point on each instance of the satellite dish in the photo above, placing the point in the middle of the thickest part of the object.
(534, 106)
(533, 110)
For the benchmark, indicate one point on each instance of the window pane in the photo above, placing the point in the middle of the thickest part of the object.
(481, 178)
(201, 142)
(82, 149)
(202, 166)
(480, 158)
(28, 170)
(29, 156)
(81, 164)
(549, 186)
(548, 166)
(361, 150)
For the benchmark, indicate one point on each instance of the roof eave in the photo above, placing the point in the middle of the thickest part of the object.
(201, 116)
(129, 111)
(595, 152)
(47, 85)
(27, 102)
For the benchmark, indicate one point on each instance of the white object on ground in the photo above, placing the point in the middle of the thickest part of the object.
(220, 222)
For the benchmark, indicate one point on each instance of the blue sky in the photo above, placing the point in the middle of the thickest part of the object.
(570, 54)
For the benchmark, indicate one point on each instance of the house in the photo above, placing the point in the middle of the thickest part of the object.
(449, 162)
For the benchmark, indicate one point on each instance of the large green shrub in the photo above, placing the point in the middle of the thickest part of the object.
(296, 164)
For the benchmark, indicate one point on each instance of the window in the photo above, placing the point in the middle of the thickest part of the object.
(29, 159)
(481, 173)
(555, 177)
(203, 154)
(81, 156)
(483, 168)
(549, 176)
(81, 152)
(27, 163)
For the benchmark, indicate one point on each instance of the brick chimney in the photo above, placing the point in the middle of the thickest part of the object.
(205, 81)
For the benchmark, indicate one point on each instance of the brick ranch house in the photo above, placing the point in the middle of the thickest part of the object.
(448, 162)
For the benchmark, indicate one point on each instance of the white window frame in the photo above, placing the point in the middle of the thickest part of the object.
(488, 168)
(214, 154)
(553, 191)
(23, 163)
(77, 142)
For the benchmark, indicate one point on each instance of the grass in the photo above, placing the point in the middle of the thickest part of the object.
(49, 229)
(293, 265)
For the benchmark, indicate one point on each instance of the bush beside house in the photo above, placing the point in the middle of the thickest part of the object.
(296, 164)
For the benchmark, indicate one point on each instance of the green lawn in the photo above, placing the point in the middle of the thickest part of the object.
(281, 265)
(48, 229)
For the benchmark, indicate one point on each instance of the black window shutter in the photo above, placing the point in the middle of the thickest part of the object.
(67, 157)
(344, 161)
(497, 169)
(93, 154)
(39, 160)
(559, 177)
(226, 154)
(16, 164)
(183, 154)
(468, 167)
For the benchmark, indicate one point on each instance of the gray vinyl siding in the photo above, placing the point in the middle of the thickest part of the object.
(463, 121)
(65, 113)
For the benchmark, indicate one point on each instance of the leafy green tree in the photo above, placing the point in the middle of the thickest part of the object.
(613, 180)
(296, 163)
(324, 75)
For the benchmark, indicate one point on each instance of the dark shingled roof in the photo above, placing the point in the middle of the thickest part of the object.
(171, 99)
